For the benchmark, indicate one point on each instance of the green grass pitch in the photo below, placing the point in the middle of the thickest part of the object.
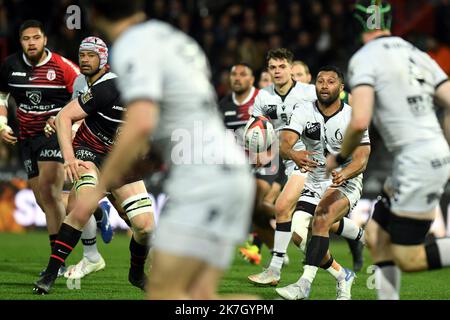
(22, 256)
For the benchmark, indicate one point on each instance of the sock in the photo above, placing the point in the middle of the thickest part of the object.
(67, 239)
(316, 250)
(350, 230)
(52, 238)
(334, 268)
(282, 237)
(89, 240)
(438, 253)
(257, 241)
(139, 254)
(387, 280)
(98, 214)
(309, 273)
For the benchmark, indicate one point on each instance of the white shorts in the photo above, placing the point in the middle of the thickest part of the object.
(352, 189)
(419, 176)
(314, 191)
(293, 170)
(207, 214)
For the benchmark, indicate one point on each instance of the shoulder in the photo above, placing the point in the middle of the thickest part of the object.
(266, 92)
(64, 62)
(226, 100)
(12, 59)
(305, 91)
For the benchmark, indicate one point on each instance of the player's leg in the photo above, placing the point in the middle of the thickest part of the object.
(387, 274)
(333, 206)
(263, 211)
(284, 207)
(137, 205)
(70, 231)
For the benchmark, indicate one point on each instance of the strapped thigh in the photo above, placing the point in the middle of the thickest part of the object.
(137, 204)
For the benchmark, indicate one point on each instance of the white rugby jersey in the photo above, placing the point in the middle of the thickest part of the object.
(405, 80)
(279, 108)
(322, 134)
(157, 62)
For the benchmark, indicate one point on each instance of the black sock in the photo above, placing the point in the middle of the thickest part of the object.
(98, 214)
(67, 239)
(317, 249)
(139, 254)
(327, 264)
(52, 238)
(257, 241)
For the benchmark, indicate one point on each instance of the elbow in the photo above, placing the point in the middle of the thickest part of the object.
(359, 125)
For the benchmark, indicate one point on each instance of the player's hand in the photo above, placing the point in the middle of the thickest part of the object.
(50, 127)
(71, 169)
(338, 177)
(7, 135)
(301, 158)
(331, 164)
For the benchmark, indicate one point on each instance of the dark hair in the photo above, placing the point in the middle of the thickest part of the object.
(31, 24)
(117, 9)
(334, 69)
(279, 54)
(244, 64)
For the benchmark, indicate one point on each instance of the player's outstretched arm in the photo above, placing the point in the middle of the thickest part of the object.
(360, 158)
(71, 113)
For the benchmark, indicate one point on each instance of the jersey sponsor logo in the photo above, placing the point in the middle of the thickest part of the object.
(51, 74)
(271, 111)
(310, 193)
(313, 130)
(51, 153)
(19, 74)
(119, 108)
(85, 155)
(34, 96)
(32, 78)
(86, 96)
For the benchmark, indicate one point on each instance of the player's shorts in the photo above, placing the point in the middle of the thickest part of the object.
(273, 173)
(312, 194)
(39, 148)
(207, 214)
(84, 153)
(419, 176)
(352, 189)
(402, 230)
(293, 170)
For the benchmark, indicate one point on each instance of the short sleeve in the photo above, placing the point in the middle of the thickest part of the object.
(140, 70)
(360, 71)
(98, 97)
(439, 76)
(296, 123)
(258, 106)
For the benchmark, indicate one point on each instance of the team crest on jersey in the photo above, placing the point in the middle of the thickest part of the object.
(86, 96)
(34, 96)
(51, 74)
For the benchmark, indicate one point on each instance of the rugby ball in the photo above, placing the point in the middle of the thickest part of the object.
(259, 134)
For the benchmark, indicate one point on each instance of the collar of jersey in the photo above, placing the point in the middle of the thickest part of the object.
(325, 117)
(250, 95)
(49, 56)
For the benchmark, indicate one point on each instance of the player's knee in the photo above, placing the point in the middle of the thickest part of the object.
(283, 209)
(49, 192)
(300, 226)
